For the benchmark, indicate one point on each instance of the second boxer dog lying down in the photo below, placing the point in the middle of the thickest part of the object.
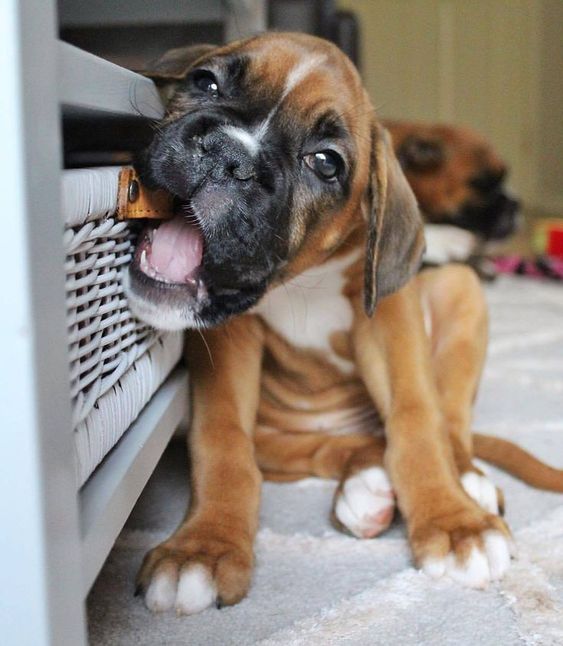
(459, 182)
(295, 253)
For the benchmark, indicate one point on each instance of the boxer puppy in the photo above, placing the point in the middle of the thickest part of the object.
(458, 180)
(293, 254)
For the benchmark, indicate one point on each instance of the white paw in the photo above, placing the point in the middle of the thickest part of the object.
(481, 566)
(192, 593)
(482, 490)
(366, 503)
(161, 593)
(446, 243)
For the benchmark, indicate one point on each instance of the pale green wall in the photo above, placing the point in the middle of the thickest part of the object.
(496, 65)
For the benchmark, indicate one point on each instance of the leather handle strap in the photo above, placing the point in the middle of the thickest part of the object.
(137, 201)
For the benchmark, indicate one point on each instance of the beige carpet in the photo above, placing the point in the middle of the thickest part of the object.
(314, 586)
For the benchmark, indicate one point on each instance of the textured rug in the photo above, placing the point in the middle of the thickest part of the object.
(315, 586)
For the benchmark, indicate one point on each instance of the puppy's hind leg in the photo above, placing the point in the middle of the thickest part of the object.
(363, 502)
(286, 456)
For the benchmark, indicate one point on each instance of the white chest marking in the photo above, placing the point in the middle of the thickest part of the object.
(307, 310)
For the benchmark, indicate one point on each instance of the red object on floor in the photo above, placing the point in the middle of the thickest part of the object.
(555, 242)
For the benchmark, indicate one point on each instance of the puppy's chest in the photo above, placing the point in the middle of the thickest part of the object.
(310, 310)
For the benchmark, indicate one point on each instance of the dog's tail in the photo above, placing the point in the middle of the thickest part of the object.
(518, 462)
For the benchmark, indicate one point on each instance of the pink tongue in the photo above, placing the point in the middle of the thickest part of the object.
(176, 249)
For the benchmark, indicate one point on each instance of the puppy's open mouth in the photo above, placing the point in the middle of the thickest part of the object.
(171, 253)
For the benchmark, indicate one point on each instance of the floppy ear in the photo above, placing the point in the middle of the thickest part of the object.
(172, 67)
(421, 153)
(395, 240)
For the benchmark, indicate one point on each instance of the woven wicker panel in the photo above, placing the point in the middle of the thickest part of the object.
(115, 410)
(105, 339)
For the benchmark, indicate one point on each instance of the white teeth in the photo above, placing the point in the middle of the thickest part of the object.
(144, 258)
(201, 291)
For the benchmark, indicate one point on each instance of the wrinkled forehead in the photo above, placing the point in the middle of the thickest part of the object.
(287, 63)
(305, 75)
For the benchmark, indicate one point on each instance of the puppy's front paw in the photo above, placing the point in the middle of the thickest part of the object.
(192, 575)
(364, 503)
(468, 546)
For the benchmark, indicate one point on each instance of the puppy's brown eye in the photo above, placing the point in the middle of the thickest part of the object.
(206, 82)
(326, 164)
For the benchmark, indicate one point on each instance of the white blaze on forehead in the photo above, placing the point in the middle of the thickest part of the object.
(294, 77)
(301, 71)
(249, 141)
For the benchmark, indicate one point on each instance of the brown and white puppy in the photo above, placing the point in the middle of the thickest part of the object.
(294, 215)
(459, 181)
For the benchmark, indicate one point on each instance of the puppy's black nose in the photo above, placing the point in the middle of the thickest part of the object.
(229, 155)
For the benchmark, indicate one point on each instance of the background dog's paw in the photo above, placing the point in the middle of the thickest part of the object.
(364, 504)
(483, 491)
(470, 547)
(194, 576)
(447, 243)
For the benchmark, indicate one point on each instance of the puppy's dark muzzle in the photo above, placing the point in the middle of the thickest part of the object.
(235, 195)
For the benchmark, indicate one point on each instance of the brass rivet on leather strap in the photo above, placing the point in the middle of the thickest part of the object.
(133, 191)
